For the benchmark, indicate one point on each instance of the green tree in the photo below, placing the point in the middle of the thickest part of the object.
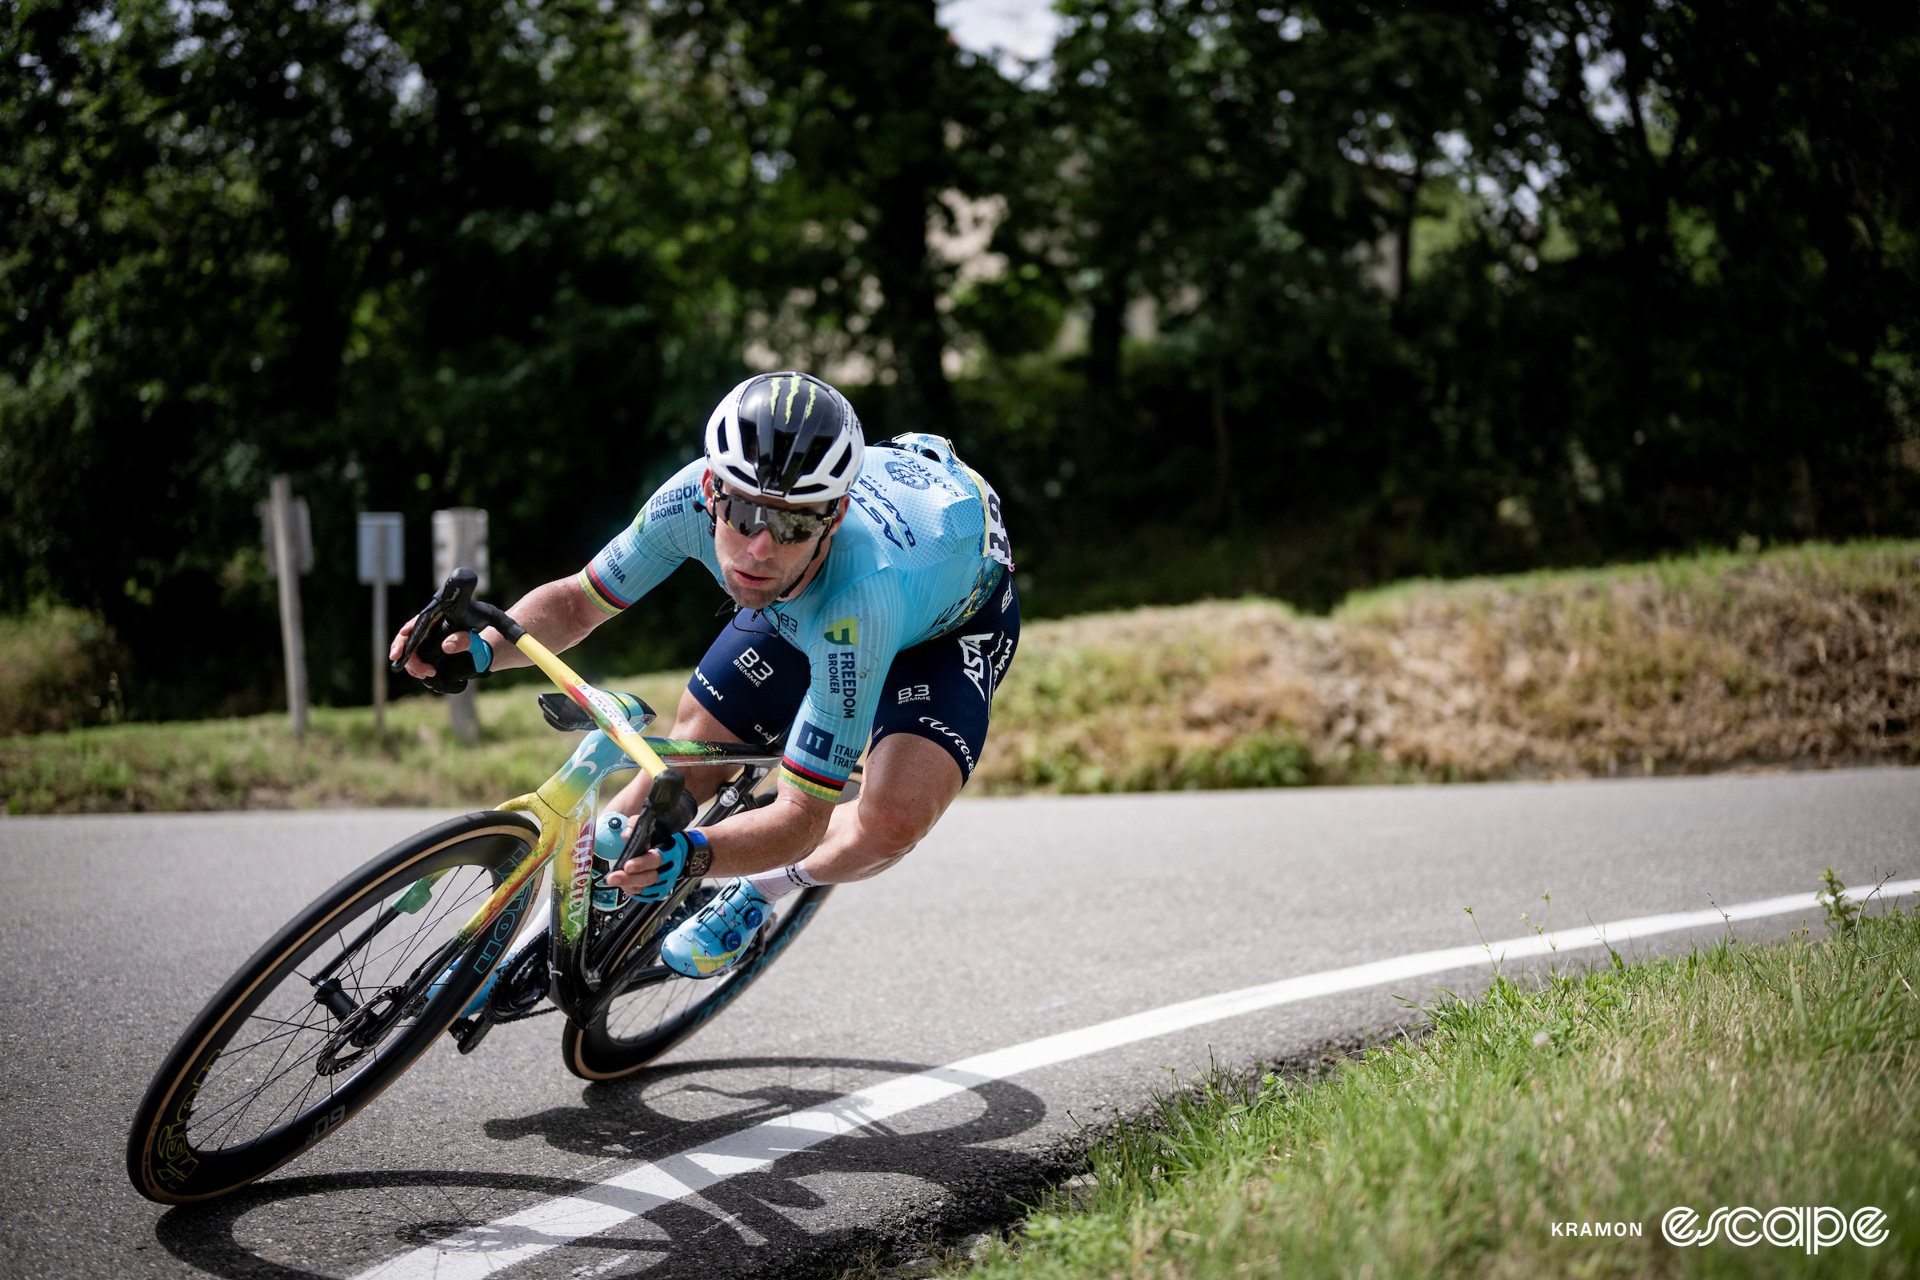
(415, 256)
(1458, 286)
(863, 116)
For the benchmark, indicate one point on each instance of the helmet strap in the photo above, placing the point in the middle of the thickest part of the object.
(819, 549)
(705, 501)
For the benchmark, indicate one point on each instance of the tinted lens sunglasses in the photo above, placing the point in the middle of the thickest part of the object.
(747, 517)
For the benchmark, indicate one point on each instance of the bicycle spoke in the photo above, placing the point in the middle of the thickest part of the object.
(248, 1099)
(321, 1026)
(271, 1072)
(386, 917)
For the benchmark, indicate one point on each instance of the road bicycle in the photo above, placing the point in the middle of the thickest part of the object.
(358, 986)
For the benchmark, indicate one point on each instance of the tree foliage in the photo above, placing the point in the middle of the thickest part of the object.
(1284, 297)
(1452, 286)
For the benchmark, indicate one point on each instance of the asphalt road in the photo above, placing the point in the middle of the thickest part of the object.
(1017, 919)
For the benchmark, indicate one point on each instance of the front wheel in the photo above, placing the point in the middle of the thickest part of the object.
(328, 1013)
(659, 1008)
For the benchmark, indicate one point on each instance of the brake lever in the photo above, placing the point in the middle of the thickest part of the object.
(455, 603)
(662, 814)
(448, 602)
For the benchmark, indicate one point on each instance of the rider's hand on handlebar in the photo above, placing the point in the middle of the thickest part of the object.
(651, 876)
(638, 873)
(458, 642)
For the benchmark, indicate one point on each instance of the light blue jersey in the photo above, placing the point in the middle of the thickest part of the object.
(922, 548)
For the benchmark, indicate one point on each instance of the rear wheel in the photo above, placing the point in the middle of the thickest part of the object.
(314, 1026)
(659, 1008)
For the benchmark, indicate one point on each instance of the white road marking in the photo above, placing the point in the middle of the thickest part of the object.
(482, 1251)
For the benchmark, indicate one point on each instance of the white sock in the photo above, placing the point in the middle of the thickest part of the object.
(781, 881)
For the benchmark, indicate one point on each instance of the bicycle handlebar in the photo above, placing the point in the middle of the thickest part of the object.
(454, 602)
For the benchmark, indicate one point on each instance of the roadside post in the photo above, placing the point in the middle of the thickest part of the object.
(287, 531)
(460, 540)
(381, 566)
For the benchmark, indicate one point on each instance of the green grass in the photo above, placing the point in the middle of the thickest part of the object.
(254, 762)
(59, 667)
(1741, 1074)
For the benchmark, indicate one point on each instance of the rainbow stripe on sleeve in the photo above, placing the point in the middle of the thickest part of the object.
(600, 593)
(811, 781)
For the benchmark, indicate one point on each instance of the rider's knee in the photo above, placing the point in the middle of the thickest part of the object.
(893, 827)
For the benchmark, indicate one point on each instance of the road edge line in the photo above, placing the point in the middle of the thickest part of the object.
(485, 1250)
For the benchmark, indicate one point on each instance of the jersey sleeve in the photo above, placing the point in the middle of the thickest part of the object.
(849, 657)
(669, 529)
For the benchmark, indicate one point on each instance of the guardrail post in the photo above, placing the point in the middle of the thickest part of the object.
(288, 537)
(460, 538)
(381, 565)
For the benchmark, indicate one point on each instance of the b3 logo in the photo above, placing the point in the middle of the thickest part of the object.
(915, 693)
(754, 667)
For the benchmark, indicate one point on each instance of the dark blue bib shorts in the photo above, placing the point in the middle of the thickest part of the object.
(941, 689)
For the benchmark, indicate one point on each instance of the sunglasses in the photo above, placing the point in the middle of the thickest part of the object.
(746, 517)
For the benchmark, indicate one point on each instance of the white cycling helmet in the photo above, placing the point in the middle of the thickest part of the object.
(788, 436)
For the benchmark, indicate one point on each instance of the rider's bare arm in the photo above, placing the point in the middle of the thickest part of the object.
(775, 835)
(558, 614)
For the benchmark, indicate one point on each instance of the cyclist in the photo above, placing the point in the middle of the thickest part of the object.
(876, 612)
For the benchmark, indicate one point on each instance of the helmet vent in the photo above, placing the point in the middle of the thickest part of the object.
(786, 435)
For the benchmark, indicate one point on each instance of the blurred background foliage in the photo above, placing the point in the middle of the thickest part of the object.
(1229, 296)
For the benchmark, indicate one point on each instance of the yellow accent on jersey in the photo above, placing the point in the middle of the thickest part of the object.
(986, 512)
(600, 599)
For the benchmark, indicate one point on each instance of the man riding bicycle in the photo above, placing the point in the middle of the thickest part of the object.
(876, 613)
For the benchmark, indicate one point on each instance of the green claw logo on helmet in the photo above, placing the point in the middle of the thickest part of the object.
(788, 436)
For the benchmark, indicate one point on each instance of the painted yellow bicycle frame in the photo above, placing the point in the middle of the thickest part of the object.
(564, 805)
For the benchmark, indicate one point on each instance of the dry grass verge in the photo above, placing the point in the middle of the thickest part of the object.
(1798, 657)
(1808, 656)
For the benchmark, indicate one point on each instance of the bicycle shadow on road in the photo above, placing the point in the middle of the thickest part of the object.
(879, 1190)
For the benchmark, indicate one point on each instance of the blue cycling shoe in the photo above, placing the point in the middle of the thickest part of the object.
(706, 944)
